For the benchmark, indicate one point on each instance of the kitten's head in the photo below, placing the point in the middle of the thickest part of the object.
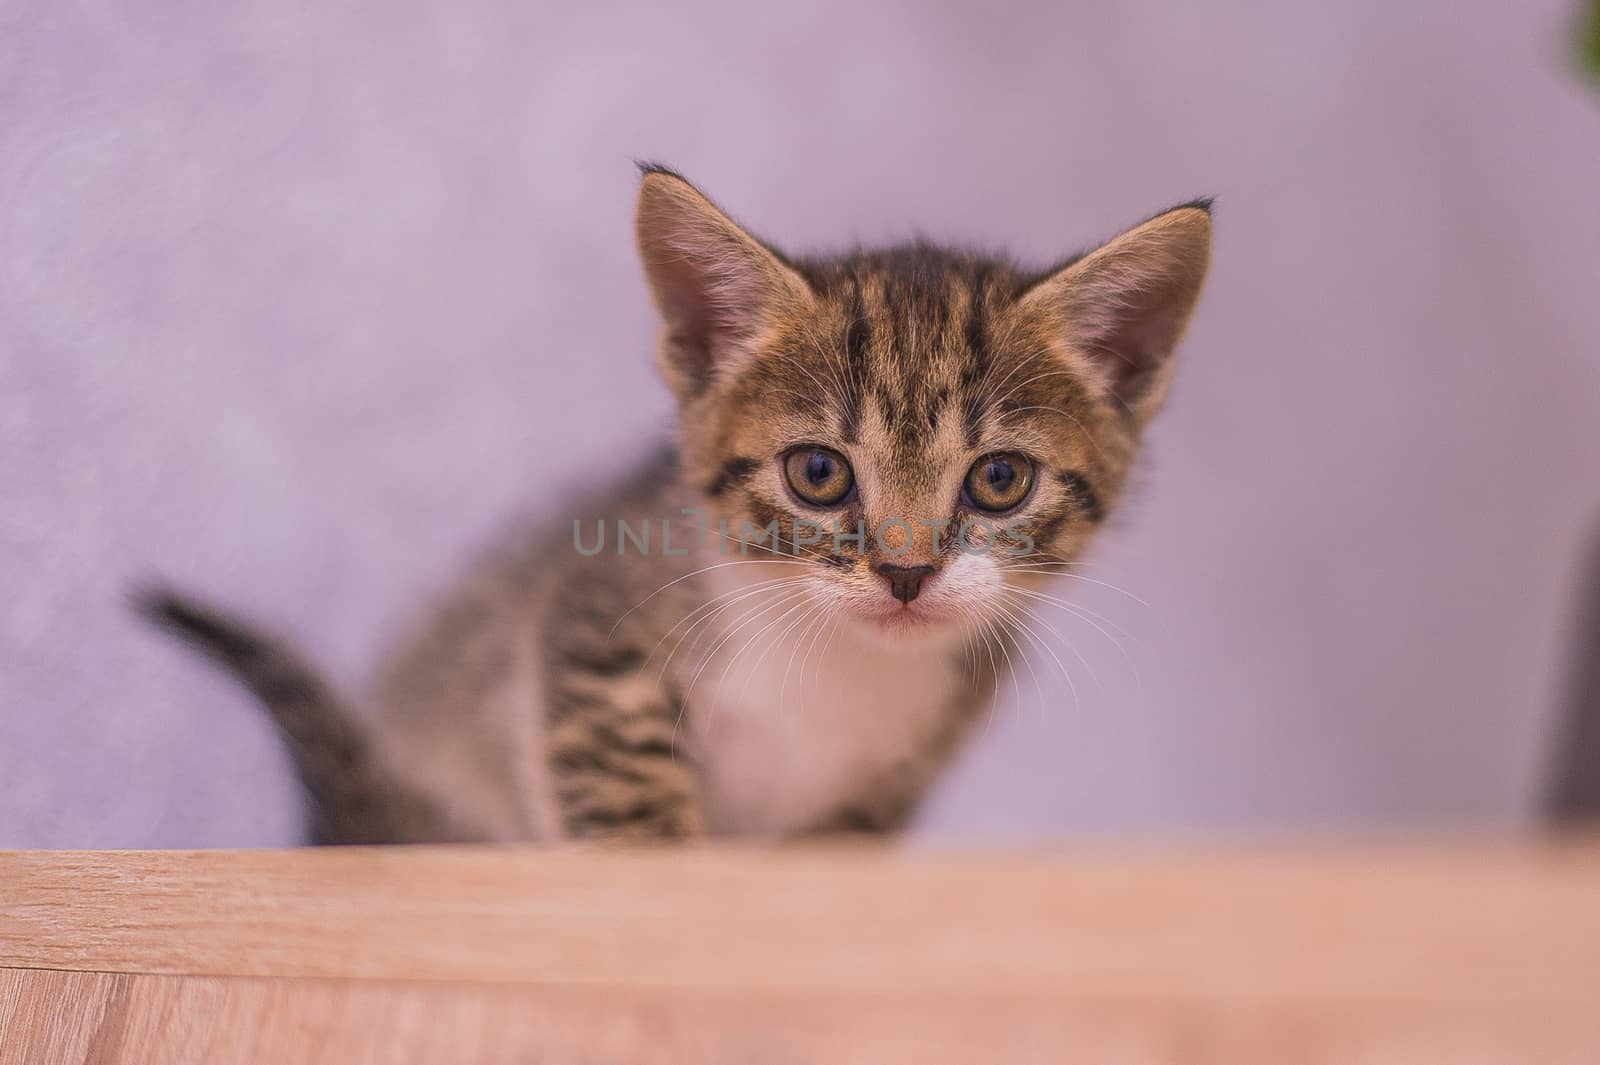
(925, 429)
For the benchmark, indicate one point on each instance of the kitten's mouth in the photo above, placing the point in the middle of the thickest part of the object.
(913, 617)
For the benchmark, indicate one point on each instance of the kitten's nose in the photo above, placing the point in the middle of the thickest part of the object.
(904, 581)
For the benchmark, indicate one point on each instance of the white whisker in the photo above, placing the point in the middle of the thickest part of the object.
(1039, 640)
(686, 576)
(733, 631)
(738, 595)
(1075, 577)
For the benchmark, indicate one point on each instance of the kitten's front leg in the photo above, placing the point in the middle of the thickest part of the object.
(883, 808)
(615, 762)
(884, 803)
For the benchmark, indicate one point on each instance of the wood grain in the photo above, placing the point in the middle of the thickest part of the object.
(1461, 953)
(99, 1018)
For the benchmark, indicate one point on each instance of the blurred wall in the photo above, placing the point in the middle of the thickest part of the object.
(300, 302)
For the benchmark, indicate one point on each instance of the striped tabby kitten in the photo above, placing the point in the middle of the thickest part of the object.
(879, 455)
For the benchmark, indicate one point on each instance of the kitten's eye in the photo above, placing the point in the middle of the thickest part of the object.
(999, 482)
(818, 476)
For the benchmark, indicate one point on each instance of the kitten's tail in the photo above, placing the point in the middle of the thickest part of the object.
(355, 800)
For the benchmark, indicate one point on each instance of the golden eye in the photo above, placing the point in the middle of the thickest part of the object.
(999, 482)
(818, 476)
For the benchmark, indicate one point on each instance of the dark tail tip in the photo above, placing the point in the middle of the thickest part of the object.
(354, 800)
(169, 610)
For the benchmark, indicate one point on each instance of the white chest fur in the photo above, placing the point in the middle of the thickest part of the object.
(792, 712)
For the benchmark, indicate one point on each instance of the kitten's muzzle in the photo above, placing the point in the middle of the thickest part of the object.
(905, 582)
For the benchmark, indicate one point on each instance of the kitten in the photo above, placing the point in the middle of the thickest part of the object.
(879, 455)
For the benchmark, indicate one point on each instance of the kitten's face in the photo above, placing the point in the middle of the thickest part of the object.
(927, 432)
(910, 401)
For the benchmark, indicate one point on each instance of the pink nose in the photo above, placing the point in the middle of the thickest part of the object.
(905, 582)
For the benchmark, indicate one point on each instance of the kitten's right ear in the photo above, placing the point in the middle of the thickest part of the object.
(718, 288)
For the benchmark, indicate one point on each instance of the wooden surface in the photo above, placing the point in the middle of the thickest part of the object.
(1459, 953)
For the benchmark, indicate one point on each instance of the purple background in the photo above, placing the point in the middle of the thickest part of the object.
(299, 302)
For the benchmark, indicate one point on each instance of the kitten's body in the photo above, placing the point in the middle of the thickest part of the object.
(724, 687)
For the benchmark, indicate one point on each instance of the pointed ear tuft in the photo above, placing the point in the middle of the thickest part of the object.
(650, 166)
(718, 288)
(1125, 304)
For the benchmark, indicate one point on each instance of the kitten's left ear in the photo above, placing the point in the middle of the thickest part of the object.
(1125, 304)
(717, 287)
